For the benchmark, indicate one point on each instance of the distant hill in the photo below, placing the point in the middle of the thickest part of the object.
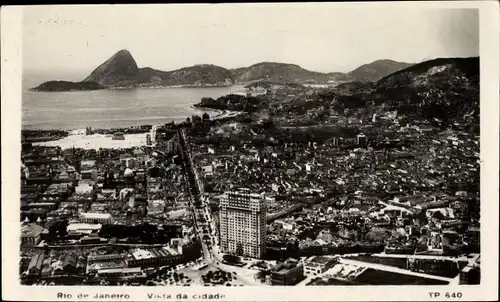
(270, 84)
(272, 71)
(438, 71)
(121, 71)
(283, 72)
(67, 86)
(354, 87)
(443, 92)
(339, 77)
(444, 89)
(377, 70)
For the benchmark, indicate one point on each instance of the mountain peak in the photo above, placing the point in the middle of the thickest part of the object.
(123, 52)
(120, 66)
(122, 57)
(378, 69)
(384, 61)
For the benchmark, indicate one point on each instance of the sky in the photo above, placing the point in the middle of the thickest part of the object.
(319, 37)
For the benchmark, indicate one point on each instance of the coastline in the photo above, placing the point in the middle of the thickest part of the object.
(34, 89)
(222, 113)
(136, 126)
(77, 136)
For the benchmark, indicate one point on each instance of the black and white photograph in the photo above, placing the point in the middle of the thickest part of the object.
(203, 147)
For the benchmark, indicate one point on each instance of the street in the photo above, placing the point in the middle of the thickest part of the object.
(209, 242)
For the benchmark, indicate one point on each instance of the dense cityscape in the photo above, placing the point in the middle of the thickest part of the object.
(254, 197)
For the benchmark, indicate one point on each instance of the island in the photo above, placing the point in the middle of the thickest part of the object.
(68, 86)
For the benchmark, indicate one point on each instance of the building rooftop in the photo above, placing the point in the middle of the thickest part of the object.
(31, 230)
(120, 270)
(165, 251)
(83, 226)
(95, 215)
(36, 261)
(105, 257)
(285, 267)
(139, 254)
(319, 260)
(88, 163)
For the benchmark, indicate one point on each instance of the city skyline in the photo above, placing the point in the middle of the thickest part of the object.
(172, 37)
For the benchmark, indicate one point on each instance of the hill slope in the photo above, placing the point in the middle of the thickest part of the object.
(67, 86)
(283, 72)
(121, 71)
(377, 70)
(442, 90)
(446, 89)
(269, 84)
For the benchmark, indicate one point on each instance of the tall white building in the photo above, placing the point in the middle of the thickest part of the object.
(243, 223)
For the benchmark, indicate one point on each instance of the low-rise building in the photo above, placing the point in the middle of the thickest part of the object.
(152, 257)
(83, 228)
(96, 218)
(35, 266)
(289, 272)
(31, 234)
(431, 266)
(87, 164)
(318, 265)
(96, 263)
(122, 273)
(470, 275)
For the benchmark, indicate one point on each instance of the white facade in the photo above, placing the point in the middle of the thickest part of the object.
(243, 223)
(318, 265)
(83, 228)
(101, 218)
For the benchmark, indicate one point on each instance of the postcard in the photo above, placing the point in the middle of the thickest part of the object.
(250, 152)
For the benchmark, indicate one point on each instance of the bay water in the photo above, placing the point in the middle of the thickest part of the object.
(112, 108)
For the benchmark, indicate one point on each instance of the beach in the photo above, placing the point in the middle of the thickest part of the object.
(78, 139)
(96, 141)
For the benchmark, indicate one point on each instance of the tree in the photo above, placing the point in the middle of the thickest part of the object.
(58, 229)
(209, 187)
(438, 215)
(231, 258)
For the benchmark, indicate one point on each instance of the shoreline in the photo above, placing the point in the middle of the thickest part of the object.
(143, 129)
(33, 89)
(195, 110)
(220, 112)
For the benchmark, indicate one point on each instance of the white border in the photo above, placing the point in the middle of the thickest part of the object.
(11, 42)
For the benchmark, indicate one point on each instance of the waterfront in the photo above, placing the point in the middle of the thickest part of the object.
(97, 141)
(114, 108)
